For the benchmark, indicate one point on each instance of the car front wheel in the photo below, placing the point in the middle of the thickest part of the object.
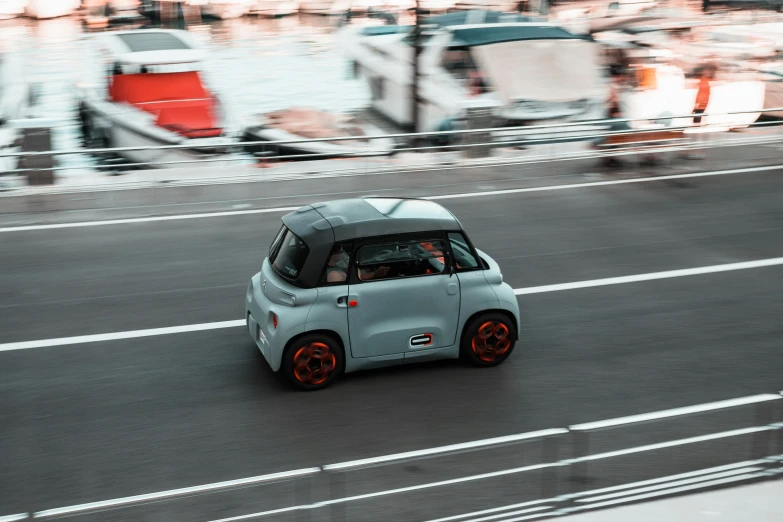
(487, 340)
(313, 362)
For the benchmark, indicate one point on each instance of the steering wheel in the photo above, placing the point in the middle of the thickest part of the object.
(383, 254)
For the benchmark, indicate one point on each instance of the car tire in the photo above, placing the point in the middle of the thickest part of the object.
(487, 340)
(313, 362)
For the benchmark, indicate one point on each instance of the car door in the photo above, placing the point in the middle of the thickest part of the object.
(401, 297)
(330, 309)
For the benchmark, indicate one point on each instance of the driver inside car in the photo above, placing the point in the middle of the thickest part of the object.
(337, 267)
(367, 274)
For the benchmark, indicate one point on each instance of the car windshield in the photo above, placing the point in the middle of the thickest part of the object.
(288, 255)
(462, 252)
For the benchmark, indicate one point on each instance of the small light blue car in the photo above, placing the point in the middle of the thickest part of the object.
(369, 282)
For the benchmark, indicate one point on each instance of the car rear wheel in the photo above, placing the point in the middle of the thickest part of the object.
(487, 340)
(313, 362)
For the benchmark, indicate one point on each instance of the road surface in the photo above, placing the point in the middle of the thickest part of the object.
(112, 418)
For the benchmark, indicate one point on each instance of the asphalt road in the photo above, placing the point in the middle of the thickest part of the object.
(94, 421)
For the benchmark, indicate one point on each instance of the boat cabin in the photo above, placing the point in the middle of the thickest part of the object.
(157, 71)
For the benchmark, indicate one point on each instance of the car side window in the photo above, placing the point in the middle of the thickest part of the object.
(337, 265)
(400, 259)
(463, 254)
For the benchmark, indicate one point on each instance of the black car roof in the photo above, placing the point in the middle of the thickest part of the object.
(321, 225)
(347, 219)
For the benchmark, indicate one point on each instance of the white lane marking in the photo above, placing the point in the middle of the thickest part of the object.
(431, 198)
(147, 219)
(650, 276)
(132, 334)
(14, 518)
(43, 343)
(605, 183)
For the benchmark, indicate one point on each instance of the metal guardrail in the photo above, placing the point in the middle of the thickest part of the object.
(505, 137)
(766, 462)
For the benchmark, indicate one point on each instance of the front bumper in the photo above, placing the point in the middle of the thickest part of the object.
(259, 337)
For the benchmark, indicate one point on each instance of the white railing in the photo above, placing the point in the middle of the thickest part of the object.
(766, 461)
(461, 140)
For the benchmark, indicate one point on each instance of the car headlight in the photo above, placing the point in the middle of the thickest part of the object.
(289, 297)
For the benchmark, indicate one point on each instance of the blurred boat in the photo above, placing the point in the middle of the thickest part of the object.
(226, 9)
(436, 6)
(493, 5)
(772, 74)
(665, 52)
(103, 13)
(663, 91)
(338, 7)
(470, 59)
(43, 9)
(11, 8)
(15, 95)
(318, 7)
(751, 34)
(144, 88)
(171, 10)
(304, 123)
(274, 8)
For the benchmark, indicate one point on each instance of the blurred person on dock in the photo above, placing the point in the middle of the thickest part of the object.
(706, 74)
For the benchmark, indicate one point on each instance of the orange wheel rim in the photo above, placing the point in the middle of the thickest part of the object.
(314, 363)
(490, 341)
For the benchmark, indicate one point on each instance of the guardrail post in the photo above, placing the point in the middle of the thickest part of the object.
(764, 441)
(579, 468)
(551, 447)
(337, 491)
(779, 437)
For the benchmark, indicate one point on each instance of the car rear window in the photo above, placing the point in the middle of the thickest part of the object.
(288, 254)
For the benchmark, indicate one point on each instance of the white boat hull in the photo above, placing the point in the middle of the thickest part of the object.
(725, 98)
(115, 125)
(444, 98)
(380, 146)
(275, 8)
(226, 10)
(493, 5)
(11, 9)
(322, 7)
(43, 9)
(14, 104)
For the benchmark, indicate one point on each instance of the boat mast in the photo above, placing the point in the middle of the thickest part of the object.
(415, 82)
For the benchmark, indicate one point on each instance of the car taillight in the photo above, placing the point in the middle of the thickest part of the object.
(274, 320)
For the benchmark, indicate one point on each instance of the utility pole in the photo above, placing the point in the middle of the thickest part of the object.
(415, 82)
